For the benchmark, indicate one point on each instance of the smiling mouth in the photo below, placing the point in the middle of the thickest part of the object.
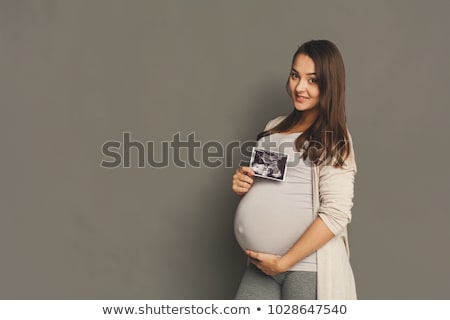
(300, 98)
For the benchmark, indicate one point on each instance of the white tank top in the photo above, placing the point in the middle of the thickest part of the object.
(273, 215)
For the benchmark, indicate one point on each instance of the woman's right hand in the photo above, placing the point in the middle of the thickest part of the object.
(242, 180)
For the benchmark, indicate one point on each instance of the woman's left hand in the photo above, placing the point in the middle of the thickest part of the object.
(266, 262)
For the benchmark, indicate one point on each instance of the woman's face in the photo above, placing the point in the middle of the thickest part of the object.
(303, 85)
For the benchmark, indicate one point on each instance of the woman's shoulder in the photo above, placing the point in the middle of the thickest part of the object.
(272, 123)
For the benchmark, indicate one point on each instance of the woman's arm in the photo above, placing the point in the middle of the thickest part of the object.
(314, 237)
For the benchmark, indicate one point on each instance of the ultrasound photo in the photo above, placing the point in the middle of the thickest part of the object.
(268, 164)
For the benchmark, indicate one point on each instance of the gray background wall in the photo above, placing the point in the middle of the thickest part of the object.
(75, 74)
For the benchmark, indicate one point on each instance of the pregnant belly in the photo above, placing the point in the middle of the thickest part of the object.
(271, 224)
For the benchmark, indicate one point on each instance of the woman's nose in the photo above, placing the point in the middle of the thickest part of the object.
(300, 86)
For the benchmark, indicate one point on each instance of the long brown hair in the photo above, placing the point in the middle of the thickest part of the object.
(327, 139)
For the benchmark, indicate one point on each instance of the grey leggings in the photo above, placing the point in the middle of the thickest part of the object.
(289, 285)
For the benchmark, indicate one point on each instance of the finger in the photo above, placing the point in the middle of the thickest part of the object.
(253, 255)
(244, 173)
(247, 171)
(243, 184)
(246, 179)
(242, 177)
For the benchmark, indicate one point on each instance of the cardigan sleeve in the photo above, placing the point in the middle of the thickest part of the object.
(336, 190)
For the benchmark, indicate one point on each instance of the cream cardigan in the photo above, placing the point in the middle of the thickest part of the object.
(332, 202)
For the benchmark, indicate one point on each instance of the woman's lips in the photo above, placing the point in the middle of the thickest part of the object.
(300, 99)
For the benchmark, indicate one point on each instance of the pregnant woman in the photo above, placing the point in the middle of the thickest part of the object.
(294, 232)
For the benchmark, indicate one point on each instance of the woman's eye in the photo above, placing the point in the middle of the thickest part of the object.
(294, 76)
(312, 80)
